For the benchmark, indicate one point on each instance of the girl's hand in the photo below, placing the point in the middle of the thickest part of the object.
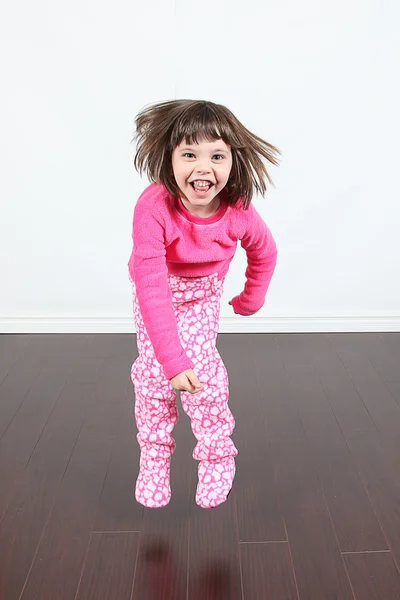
(186, 382)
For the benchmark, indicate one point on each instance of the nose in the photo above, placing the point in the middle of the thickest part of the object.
(202, 170)
(202, 167)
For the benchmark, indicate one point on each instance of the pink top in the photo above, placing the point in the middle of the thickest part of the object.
(168, 239)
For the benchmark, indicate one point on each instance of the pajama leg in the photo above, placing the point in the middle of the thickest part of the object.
(156, 415)
(155, 419)
(211, 419)
(212, 424)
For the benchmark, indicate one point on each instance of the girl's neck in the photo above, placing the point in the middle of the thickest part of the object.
(203, 211)
(211, 216)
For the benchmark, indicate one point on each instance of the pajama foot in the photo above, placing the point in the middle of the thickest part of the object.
(215, 481)
(153, 487)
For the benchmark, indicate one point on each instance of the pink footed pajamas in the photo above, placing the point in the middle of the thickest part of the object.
(177, 268)
(196, 304)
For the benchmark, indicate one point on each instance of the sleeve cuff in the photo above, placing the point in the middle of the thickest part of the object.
(176, 366)
(243, 308)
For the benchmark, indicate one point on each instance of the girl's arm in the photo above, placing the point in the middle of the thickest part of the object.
(148, 269)
(261, 260)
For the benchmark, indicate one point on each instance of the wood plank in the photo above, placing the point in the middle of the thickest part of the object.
(16, 386)
(394, 388)
(57, 566)
(317, 561)
(356, 525)
(58, 353)
(84, 370)
(380, 475)
(26, 516)
(385, 360)
(373, 576)
(69, 348)
(392, 341)
(214, 568)
(257, 503)
(67, 352)
(27, 427)
(282, 419)
(109, 567)
(267, 572)
(354, 520)
(58, 562)
(118, 510)
(109, 345)
(382, 407)
(30, 420)
(343, 397)
(160, 574)
(12, 348)
(319, 421)
(383, 350)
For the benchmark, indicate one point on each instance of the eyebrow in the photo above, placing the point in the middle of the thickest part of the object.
(193, 148)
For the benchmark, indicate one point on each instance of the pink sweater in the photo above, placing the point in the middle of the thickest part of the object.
(167, 238)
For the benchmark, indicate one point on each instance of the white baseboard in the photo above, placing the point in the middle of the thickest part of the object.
(227, 325)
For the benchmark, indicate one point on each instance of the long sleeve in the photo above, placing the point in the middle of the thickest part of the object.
(261, 253)
(148, 269)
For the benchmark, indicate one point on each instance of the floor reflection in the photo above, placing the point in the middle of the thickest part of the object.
(211, 580)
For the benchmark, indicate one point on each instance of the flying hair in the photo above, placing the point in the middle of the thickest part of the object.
(161, 127)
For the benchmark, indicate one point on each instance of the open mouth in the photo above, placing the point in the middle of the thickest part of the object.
(201, 187)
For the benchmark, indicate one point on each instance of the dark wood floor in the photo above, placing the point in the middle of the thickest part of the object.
(315, 510)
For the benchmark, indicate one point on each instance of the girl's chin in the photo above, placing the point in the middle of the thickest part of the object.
(195, 201)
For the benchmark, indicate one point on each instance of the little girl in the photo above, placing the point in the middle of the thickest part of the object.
(205, 167)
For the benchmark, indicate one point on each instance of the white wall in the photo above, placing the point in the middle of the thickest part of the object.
(319, 80)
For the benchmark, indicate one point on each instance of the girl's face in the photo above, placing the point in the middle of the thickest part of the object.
(201, 171)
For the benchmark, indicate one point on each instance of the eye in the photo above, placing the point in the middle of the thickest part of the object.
(220, 155)
(188, 155)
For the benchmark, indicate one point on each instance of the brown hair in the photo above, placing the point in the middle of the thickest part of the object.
(161, 127)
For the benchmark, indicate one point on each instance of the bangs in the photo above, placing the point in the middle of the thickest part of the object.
(202, 120)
